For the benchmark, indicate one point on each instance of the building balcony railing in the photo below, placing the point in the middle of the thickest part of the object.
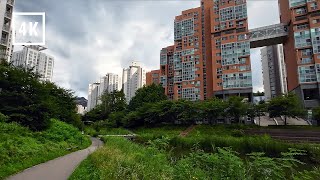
(10, 2)
(6, 28)
(8, 15)
(3, 41)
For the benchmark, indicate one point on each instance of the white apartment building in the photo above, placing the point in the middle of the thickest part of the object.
(274, 71)
(32, 57)
(6, 47)
(133, 78)
(93, 96)
(108, 83)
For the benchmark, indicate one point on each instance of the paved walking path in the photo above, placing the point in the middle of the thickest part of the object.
(57, 169)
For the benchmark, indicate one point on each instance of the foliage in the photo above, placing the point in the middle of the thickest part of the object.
(285, 105)
(236, 108)
(316, 114)
(3, 118)
(21, 148)
(123, 159)
(32, 103)
(110, 103)
(148, 94)
(213, 109)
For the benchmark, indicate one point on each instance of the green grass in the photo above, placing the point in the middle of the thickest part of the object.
(21, 148)
(106, 131)
(124, 160)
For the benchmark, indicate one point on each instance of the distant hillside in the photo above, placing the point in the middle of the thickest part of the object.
(82, 101)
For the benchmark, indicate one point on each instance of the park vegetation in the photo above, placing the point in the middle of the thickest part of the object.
(38, 120)
(151, 107)
(123, 159)
(210, 151)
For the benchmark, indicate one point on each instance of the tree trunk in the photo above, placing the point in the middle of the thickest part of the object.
(285, 120)
(259, 121)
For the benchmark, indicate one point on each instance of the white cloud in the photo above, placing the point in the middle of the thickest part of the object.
(90, 39)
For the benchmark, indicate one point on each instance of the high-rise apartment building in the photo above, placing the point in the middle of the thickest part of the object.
(110, 83)
(6, 47)
(302, 48)
(93, 96)
(167, 70)
(211, 53)
(274, 72)
(33, 57)
(231, 66)
(153, 77)
(133, 78)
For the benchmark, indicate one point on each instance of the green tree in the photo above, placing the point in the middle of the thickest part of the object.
(316, 115)
(113, 102)
(148, 94)
(110, 103)
(287, 105)
(32, 103)
(212, 109)
(257, 110)
(236, 108)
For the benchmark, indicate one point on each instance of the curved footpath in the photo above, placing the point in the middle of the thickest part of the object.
(60, 168)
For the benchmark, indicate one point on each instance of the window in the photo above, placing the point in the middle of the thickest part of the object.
(307, 74)
(237, 80)
(294, 3)
(302, 39)
(302, 10)
(315, 21)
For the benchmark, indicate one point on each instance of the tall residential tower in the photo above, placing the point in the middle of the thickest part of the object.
(274, 72)
(33, 57)
(211, 53)
(133, 78)
(6, 47)
(302, 48)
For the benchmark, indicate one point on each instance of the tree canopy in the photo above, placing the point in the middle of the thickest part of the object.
(148, 94)
(287, 105)
(30, 102)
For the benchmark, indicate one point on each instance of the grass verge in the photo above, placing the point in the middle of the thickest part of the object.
(21, 148)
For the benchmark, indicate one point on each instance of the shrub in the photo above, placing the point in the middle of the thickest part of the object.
(3, 118)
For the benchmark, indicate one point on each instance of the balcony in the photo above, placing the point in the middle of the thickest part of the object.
(4, 41)
(8, 15)
(6, 28)
(10, 2)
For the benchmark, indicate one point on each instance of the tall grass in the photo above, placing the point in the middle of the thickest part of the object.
(123, 159)
(21, 148)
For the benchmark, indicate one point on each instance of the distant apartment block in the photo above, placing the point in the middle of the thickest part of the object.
(108, 83)
(33, 57)
(93, 96)
(133, 78)
(6, 47)
(274, 71)
(153, 77)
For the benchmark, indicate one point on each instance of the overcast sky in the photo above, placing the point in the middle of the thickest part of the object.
(91, 38)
